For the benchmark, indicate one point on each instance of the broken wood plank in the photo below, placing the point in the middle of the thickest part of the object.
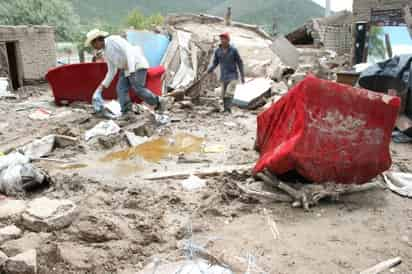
(383, 266)
(207, 172)
(279, 198)
(52, 160)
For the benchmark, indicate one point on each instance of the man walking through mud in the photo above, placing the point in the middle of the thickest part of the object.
(231, 65)
(130, 60)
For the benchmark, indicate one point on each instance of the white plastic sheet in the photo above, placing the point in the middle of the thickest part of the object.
(250, 91)
(186, 267)
(400, 183)
(185, 75)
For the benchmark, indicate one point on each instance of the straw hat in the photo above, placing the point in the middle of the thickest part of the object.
(94, 34)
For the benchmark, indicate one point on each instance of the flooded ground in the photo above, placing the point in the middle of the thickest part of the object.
(127, 221)
(160, 148)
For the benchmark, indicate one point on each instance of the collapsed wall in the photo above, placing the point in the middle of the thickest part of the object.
(332, 32)
(194, 38)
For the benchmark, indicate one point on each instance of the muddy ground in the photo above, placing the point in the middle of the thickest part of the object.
(127, 221)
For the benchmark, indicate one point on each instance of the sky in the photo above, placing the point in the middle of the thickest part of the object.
(337, 5)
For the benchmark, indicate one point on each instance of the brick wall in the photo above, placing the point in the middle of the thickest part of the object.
(362, 8)
(36, 47)
(336, 38)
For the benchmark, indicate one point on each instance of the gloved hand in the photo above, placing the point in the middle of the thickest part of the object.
(97, 100)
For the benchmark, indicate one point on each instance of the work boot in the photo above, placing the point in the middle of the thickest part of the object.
(162, 106)
(227, 105)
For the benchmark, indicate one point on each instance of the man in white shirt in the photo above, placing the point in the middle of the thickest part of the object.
(130, 60)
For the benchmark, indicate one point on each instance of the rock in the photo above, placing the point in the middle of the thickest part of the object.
(39, 148)
(134, 140)
(108, 142)
(10, 208)
(3, 259)
(186, 105)
(144, 129)
(81, 258)
(24, 263)
(10, 232)
(65, 141)
(45, 215)
(28, 241)
(98, 229)
(296, 78)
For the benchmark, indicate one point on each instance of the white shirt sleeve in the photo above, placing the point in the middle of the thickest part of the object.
(111, 73)
(111, 66)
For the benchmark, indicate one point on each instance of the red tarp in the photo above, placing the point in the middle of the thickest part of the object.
(328, 132)
(77, 82)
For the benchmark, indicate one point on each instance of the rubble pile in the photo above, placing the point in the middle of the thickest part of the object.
(191, 189)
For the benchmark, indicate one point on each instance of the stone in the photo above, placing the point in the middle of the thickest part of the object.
(10, 208)
(10, 232)
(65, 141)
(98, 229)
(3, 258)
(46, 215)
(134, 140)
(39, 148)
(108, 142)
(24, 263)
(144, 130)
(28, 241)
(81, 258)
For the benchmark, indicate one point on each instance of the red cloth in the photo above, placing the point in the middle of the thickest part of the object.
(328, 132)
(77, 82)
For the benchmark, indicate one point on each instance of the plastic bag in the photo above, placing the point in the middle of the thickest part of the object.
(22, 177)
(104, 128)
(13, 159)
(185, 267)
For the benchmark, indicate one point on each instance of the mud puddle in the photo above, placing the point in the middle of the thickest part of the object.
(160, 148)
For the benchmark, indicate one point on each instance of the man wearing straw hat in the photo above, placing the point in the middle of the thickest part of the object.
(130, 60)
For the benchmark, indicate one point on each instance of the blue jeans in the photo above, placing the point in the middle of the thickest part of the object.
(137, 81)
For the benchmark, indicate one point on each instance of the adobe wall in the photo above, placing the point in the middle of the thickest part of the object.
(36, 48)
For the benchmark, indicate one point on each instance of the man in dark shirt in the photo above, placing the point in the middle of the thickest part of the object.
(231, 65)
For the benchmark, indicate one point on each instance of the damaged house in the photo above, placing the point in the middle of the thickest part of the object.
(375, 17)
(194, 38)
(193, 41)
(332, 32)
(26, 53)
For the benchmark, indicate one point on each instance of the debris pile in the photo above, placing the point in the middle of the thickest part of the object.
(182, 190)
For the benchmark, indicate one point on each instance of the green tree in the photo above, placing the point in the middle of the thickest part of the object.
(56, 13)
(377, 48)
(139, 21)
